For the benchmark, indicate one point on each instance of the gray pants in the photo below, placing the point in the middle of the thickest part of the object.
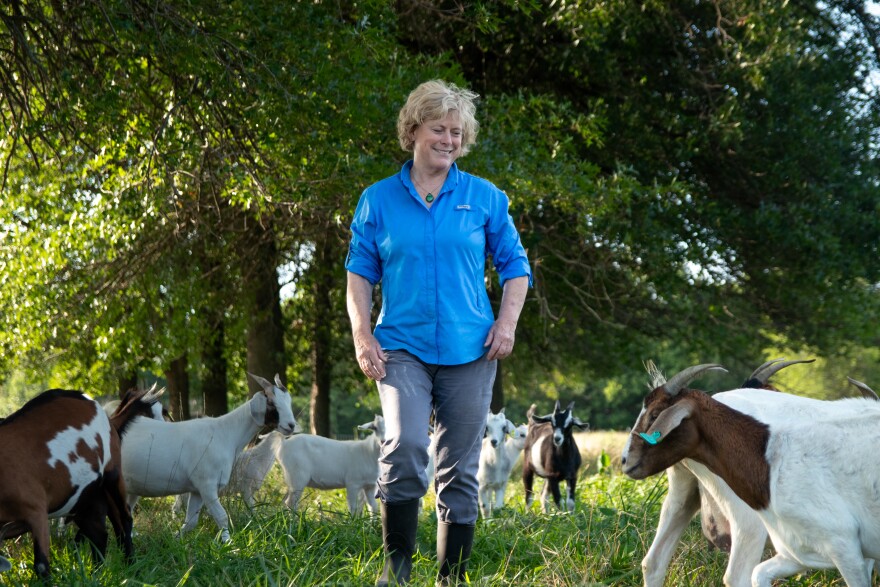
(459, 395)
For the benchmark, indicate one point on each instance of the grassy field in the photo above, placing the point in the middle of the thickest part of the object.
(601, 543)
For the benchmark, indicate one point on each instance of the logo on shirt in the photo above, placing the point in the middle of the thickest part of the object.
(463, 207)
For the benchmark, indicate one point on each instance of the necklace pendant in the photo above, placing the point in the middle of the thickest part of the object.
(429, 198)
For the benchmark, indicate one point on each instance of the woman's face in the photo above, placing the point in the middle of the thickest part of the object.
(437, 142)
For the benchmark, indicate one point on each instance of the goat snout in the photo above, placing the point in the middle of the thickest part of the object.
(558, 437)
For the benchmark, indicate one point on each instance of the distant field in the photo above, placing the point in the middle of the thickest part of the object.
(592, 444)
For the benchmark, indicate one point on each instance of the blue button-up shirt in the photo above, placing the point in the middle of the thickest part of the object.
(431, 262)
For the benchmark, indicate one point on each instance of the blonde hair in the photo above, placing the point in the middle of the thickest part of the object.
(433, 100)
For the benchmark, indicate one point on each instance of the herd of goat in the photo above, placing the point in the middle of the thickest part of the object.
(754, 463)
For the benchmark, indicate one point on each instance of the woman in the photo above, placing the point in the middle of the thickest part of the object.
(425, 233)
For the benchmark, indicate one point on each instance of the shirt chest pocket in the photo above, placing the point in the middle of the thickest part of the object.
(465, 228)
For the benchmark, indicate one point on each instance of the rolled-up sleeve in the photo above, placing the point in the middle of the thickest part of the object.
(508, 254)
(363, 255)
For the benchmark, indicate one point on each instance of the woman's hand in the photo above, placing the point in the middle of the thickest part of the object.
(500, 339)
(370, 356)
(503, 331)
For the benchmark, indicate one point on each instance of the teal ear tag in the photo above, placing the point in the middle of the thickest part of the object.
(653, 439)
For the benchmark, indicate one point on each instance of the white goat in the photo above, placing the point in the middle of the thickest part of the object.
(495, 463)
(196, 456)
(517, 440)
(248, 472)
(805, 466)
(324, 463)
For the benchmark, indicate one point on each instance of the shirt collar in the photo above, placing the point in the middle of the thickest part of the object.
(451, 178)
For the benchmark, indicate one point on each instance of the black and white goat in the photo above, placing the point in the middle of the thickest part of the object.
(61, 457)
(551, 452)
(806, 467)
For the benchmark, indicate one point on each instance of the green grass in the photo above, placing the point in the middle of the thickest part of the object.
(601, 543)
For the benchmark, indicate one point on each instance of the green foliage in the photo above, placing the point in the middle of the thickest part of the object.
(691, 180)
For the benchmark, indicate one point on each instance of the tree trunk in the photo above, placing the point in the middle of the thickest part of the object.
(497, 390)
(214, 381)
(322, 338)
(127, 381)
(265, 332)
(178, 388)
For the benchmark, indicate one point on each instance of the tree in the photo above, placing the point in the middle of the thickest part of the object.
(695, 178)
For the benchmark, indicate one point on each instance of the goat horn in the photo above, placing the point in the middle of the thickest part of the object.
(153, 394)
(770, 368)
(864, 389)
(677, 382)
(654, 374)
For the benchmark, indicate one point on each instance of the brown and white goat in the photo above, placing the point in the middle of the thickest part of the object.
(715, 525)
(61, 457)
(731, 527)
(804, 466)
(551, 452)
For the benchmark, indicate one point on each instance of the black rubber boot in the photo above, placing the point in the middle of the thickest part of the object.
(399, 524)
(454, 543)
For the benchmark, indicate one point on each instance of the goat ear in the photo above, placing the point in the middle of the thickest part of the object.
(540, 419)
(262, 382)
(582, 425)
(509, 427)
(668, 420)
(258, 405)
